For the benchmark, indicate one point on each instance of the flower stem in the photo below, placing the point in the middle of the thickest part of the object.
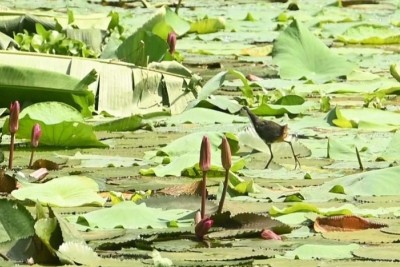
(11, 157)
(203, 195)
(222, 200)
(30, 161)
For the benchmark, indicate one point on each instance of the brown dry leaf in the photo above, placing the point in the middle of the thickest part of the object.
(184, 189)
(44, 163)
(344, 223)
(7, 183)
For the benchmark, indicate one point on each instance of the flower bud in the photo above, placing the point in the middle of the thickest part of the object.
(226, 154)
(36, 134)
(171, 40)
(14, 115)
(268, 234)
(197, 217)
(203, 227)
(205, 154)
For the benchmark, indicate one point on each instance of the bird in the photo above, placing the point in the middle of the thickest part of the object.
(270, 132)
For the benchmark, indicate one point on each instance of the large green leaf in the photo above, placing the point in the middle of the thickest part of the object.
(61, 125)
(15, 221)
(120, 215)
(370, 34)
(311, 251)
(67, 191)
(382, 182)
(32, 85)
(141, 48)
(299, 54)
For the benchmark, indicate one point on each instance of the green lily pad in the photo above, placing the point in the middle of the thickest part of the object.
(61, 125)
(182, 155)
(370, 34)
(298, 54)
(67, 191)
(311, 251)
(120, 216)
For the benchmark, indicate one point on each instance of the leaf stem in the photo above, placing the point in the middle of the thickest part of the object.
(223, 195)
(11, 157)
(359, 159)
(31, 159)
(203, 195)
(178, 6)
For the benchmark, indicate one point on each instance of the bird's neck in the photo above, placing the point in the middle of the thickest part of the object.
(253, 118)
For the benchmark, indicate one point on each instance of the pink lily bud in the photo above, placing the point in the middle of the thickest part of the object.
(36, 134)
(203, 227)
(14, 115)
(171, 40)
(226, 154)
(205, 154)
(268, 234)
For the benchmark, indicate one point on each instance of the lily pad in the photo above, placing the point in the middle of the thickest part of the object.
(299, 54)
(120, 216)
(61, 125)
(67, 191)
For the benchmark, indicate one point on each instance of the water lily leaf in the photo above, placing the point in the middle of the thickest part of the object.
(378, 253)
(207, 25)
(382, 182)
(16, 221)
(121, 124)
(119, 216)
(220, 102)
(67, 191)
(78, 253)
(391, 153)
(370, 34)
(141, 48)
(292, 104)
(363, 118)
(344, 223)
(310, 251)
(100, 161)
(182, 155)
(204, 116)
(298, 53)
(65, 127)
(307, 207)
(165, 21)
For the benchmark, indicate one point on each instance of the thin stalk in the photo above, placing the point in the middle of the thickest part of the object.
(30, 161)
(222, 200)
(359, 160)
(178, 6)
(10, 159)
(203, 196)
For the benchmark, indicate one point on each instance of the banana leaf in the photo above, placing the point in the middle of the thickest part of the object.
(120, 89)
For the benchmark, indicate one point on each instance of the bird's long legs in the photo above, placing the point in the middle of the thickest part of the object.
(272, 156)
(296, 160)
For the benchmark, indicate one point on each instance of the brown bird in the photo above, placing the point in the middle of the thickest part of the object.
(270, 132)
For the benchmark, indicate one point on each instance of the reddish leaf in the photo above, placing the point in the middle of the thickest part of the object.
(344, 223)
(7, 183)
(44, 163)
